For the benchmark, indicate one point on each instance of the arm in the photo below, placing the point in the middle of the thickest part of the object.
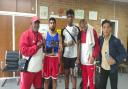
(44, 45)
(78, 47)
(62, 43)
(25, 49)
(60, 49)
(62, 38)
(96, 47)
(121, 51)
(78, 44)
(65, 43)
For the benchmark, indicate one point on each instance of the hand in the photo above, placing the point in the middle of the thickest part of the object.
(111, 61)
(91, 60)
(39, 44)
(65, 43)
(52, 54)
(77, 61)
(70, 43)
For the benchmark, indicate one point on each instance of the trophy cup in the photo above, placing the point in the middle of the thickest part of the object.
(53, 44)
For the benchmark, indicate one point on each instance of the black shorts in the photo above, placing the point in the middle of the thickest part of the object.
(69, 62)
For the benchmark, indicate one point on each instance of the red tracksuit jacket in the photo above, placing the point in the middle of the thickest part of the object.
(96, 47)
(28, 41)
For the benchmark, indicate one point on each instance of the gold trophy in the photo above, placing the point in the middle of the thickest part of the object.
(53, 44)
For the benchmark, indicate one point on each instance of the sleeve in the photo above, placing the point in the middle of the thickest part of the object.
(42, 38)
(25, 49)
(121, 51)
(59, 36)
(78, 38)
(78, 43)
(100, 56)
(96, 49)
(59, 41)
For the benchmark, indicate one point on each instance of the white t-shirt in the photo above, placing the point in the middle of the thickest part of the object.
(70, 51)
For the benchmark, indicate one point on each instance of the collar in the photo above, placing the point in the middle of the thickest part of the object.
(52, 34)
(108, 37)
(70, 26)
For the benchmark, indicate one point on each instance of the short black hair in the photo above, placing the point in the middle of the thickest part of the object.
(107, 21)
(53, 19)
(69, 12)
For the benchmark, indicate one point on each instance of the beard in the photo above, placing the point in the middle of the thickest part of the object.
(35, 29)
(53, 29)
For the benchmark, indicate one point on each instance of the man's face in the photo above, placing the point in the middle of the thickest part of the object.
(35, 26)
(52, 25)
(106, 28)
(83, 24)
(70, 19)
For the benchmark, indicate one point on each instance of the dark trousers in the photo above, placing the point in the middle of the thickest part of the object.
(113, 79)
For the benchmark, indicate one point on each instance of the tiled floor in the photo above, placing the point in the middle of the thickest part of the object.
(122, 84)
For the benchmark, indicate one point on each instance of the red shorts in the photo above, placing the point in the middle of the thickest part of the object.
(50, 67)
(29, 78)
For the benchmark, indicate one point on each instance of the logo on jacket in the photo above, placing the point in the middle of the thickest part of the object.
(33, 41)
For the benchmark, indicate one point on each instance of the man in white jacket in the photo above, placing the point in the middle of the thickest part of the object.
(89, 52)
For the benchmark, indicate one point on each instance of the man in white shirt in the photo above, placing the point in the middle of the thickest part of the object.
(70, 42)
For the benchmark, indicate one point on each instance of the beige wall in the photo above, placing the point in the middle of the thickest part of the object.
(105, 10)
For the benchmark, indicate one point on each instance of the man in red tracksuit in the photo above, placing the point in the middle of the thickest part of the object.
(89, 51)
(30, 44)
